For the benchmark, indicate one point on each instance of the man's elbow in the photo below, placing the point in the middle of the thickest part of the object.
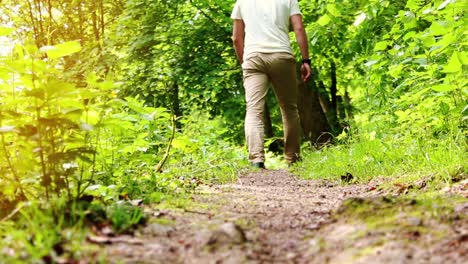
(297, 24)
(236, 41)
(299, 28)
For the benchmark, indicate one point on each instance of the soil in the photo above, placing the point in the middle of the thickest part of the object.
(273, 217)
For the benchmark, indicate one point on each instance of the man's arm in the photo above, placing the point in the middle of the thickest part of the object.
(301, 36)
(238, 35)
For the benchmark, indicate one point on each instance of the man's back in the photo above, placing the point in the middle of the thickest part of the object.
(266, 24)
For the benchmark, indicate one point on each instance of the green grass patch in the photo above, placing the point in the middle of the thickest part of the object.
(369, 158)
(40, 233)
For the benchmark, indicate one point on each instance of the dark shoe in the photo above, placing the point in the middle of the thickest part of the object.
(259, 165)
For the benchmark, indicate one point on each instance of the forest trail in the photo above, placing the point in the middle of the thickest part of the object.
(274, 217)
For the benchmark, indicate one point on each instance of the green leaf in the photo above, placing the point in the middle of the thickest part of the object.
(359, 19)
(62, 50)
(454, 64)
(463, 57)
(5, 31)
(332, 10)
(396, 71)
(444, 4)
(59, 88)
(382, 45)
(324, 20)
(465, 109)
(439, 28)
(370, 63)
(414, 5)
(409, 35)
(443, 88)
(444, 108)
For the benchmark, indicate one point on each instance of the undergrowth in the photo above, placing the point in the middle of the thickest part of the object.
(365, 158)
(36, 232)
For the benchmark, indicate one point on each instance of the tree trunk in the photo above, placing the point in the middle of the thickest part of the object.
(314, 123)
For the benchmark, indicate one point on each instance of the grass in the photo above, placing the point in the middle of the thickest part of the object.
(41, 233)
(369, 158)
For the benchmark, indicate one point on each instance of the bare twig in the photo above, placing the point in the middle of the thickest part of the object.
(196, 212)
(169, 144)
(13, 213)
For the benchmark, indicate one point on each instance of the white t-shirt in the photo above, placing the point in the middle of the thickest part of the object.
(266, 24)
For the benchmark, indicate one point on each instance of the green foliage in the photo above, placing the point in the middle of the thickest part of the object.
(125, 217)
(43, 129)
(407, 79)
(202, 153)
(58, 139)
(199, 154)
(180, 56)
(37, 233)
(366, 157)
(418, 72)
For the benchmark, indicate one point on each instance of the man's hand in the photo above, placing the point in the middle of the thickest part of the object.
(306, 72)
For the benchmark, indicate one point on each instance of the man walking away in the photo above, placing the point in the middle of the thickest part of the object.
(261, 41)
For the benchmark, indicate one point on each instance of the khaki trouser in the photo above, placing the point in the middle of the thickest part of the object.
(259, 70)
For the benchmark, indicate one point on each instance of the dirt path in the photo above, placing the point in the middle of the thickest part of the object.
(273, 217)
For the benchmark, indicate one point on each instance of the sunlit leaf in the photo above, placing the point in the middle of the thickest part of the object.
(439, 28)
(465, 109)
(421, 61)
(382, 45)
(342, 136)
(62, 50)
(359, 19)
(106, 85)
(463, 57)
(5, 31)
(409, 35)
(396, 71)
(443, 88)
(181, 143)
(61, 88)
(444, 4)
(414, 5)
(370, 63)
(324, 20)
(94, 187)
(454, 64)
(332, 10)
